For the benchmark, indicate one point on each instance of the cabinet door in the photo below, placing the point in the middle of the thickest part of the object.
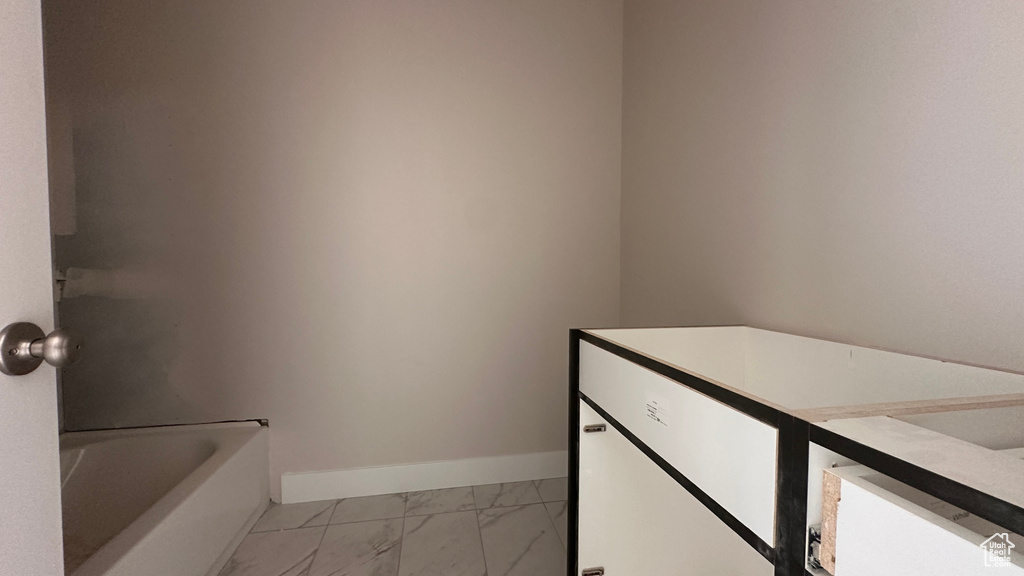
(635, 519)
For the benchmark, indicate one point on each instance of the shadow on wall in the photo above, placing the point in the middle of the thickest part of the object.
(137, 269)
(132, 348)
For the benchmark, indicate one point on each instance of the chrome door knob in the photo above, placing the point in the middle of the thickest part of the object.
(60, 348)
(23, 347)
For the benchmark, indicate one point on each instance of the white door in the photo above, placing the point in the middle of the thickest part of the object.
(30, 523)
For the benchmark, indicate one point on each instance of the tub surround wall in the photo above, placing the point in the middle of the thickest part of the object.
(370, 222)
(847, 171)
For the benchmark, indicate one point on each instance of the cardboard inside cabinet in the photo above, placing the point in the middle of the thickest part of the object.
(831, 495)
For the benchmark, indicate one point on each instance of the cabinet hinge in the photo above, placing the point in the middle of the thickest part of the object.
(813, 544)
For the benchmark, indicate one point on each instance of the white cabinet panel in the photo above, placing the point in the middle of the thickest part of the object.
(881, 534)
(727, 454)
(634, 519)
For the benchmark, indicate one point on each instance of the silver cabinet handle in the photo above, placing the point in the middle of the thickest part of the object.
(24, 346)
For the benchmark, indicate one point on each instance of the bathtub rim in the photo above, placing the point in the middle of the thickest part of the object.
(229, 437)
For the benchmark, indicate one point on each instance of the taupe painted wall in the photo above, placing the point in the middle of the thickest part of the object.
(846, 170)
(372, 222)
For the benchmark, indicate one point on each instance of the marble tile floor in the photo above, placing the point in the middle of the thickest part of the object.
(508, 529)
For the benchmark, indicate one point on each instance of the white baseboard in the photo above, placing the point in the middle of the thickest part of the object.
(330, 484)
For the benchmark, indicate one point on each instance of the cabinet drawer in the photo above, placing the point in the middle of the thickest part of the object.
(876, 528)
(729, 455)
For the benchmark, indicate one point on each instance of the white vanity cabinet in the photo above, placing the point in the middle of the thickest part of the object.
(619, 529)
(707, 450)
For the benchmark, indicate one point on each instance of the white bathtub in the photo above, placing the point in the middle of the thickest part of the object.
(169, 501)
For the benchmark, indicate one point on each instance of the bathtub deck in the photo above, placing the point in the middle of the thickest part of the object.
(498, 530)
